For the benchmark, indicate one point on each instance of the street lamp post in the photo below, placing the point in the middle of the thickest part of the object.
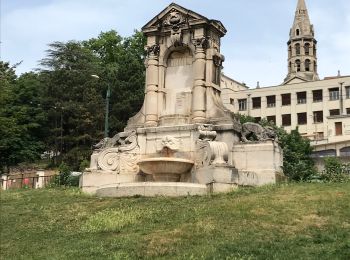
(108, 95)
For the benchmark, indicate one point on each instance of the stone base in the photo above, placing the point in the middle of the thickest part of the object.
(257, 163)
(216, 187)
(90, 181)
(215, 174)
(152, 189)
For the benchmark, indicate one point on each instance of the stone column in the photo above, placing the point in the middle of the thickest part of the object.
(199, 89)
(152, 87)
(40, 182)
(4, 181)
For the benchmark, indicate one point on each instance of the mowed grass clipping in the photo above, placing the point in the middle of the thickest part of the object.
(291, 221)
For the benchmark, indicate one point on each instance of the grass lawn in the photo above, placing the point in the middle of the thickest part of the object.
(294, 221)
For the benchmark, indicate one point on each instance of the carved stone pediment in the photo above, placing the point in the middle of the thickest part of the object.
(175, 16)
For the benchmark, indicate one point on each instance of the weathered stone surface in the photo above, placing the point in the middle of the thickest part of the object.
(183, 132)
(151, 189)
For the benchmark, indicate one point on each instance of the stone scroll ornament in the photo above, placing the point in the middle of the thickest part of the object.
(122, 155)
(208, 151)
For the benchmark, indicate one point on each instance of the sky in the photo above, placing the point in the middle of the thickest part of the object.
(254, 47)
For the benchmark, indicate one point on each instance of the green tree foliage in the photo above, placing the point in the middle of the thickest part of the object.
(75, 101)
(61, 108)
(124, 71)
(22, 120)
(297, 162)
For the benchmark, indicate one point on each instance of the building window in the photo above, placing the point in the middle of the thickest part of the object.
(348, 111)
(301, 97)
(317, 95)
(302, 119)
(334, 112)
(232, 101)
(256, 102)
(257, 119)
(318, 117)
(297, 32)
(333, 93)
(319, 136)
(271, 119)
(286, 99)
(297, 64)
(242, 104)
(338, 128)
(286, 120)
(297, 49)
(307, 48)
(347, 92)
(307, 65)
(271, 101)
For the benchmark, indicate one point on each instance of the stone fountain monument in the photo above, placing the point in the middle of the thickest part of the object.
(183, 141)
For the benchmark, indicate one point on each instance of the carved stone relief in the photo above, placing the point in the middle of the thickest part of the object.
(120, 155)
(175, 20)
(208, 151)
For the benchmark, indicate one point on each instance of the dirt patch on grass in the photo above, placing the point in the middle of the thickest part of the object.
(163, 242)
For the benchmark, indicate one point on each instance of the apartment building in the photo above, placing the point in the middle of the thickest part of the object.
(319, 108)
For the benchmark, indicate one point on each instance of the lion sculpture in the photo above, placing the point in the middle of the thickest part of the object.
(257, 131)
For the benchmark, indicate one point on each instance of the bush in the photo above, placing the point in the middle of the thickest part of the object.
(65, 178)
(335, 170)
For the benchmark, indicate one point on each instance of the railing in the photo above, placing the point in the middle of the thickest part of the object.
(34, 182)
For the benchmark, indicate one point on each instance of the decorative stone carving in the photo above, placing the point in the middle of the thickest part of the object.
(206, 132)
(170, 142)
(153, 50)
(217, 61)
(259, 132)
(119, 154)
(200, 42)
(210, 152)
(175, 20)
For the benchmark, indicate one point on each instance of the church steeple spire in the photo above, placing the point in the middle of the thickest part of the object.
(302, 59)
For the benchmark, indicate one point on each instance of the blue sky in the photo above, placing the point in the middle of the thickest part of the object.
(254, 46)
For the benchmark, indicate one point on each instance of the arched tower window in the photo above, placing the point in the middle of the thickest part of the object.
(297, 49)
(289, 51)
(307, 65)
(307, 48)
(297, 64)
(297, 32)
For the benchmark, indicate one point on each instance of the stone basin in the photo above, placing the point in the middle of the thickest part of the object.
(168, 169)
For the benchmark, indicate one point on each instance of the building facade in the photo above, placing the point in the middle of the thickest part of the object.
(319, 108)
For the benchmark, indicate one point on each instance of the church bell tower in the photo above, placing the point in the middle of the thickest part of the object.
(302, 46)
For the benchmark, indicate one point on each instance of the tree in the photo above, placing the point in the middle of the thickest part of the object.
(297, 162)
(73, 99)
(21, 119)
(124, 71)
